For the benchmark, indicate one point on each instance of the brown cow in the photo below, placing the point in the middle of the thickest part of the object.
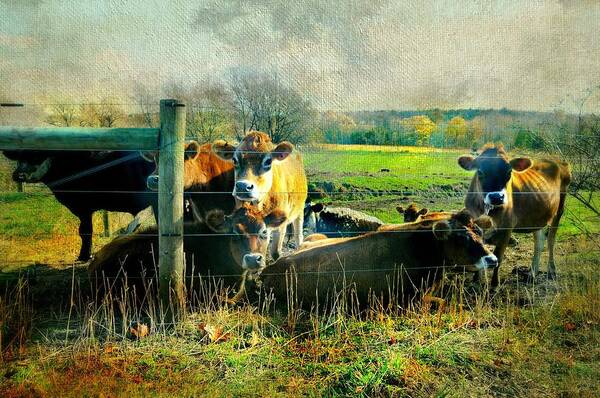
(419, 251)
(520, 195)
(412, 213)
(207, 180)
(225, 256)
(270, 177)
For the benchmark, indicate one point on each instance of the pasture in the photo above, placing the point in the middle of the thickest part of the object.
(539, 339)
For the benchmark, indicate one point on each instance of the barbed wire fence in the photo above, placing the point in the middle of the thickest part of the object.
(371, 178)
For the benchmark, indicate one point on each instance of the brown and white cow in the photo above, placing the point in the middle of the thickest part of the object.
(270, 177)
(521, 195)
(220, 246)
(420, 251)
(207, 180)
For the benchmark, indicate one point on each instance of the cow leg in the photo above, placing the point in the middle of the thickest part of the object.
(551, 240)
(298, 232)
(277, 239)
(501, 244)
(538, 246)
(85, 233)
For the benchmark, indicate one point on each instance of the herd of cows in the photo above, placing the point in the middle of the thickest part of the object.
(243, 201)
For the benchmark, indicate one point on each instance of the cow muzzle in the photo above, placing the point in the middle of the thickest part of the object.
(152, 182)
(487, 262)
(245, 191)
(497, 198)
(253, 261)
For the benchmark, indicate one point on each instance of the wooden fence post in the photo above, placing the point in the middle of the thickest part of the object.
(106, 222)
(170, 206)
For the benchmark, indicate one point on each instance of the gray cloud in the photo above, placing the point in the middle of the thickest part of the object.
(342, 55)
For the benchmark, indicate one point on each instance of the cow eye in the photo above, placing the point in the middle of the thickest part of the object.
(263, 234)
(267, 163)
(235, 161)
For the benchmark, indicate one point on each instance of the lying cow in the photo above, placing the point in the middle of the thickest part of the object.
(240, 243)
(207, 181)
(520, 195)
(85, 182)
(270, 177)
(412, 213)
(339, 221)
(369, 263)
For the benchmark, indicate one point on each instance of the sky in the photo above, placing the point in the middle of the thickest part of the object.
(342, 55)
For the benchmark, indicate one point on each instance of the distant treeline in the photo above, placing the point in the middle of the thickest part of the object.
(251, 101)
(466, 128)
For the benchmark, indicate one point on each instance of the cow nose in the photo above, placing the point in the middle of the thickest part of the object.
(491, 261)
(253, 261)
(152, 182)
(496, 198)
(243, 186)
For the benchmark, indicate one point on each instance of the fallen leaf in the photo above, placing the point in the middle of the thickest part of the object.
(392, 340)
(139, 330)
(255, 338)
(570, 326)
(216, 333)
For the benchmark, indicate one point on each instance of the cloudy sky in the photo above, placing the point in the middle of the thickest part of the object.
(345, 55)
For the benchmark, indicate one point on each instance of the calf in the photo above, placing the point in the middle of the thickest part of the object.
(412, 213)
(85, 181)
(340, 221)
(520, 195)
(419, 251)
(221, 246)
(207, 181)
(270, 177)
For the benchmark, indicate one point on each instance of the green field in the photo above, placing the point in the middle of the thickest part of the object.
(541, 339)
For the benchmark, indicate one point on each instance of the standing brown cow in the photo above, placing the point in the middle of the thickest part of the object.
(207, 180)
(520, 195)
(270, 177)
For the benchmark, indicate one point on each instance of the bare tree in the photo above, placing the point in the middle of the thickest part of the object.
(104, 114)
(62, 114)
(577, 139)
(147, 105)
(261, 102)
(209, 110)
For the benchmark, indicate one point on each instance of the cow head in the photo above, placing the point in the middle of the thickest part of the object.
(249, 232)
(493, 173)
(253, 160)
(462, 239)
(191, 175)
(411, 213)
(32, 166)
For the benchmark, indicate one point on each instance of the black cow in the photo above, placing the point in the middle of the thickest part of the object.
(85, 181)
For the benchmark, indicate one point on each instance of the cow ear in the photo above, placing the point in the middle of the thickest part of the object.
(275, 218)
(223, 149)
(400, 209)
(282, 151)
(467, 162)
(520, 164)
(484, 222)
(442, 230)
(423, 211)
(217, 221)
(317, 207)
(192, 150)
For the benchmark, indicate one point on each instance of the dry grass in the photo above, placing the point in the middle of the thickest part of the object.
(539, 339)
